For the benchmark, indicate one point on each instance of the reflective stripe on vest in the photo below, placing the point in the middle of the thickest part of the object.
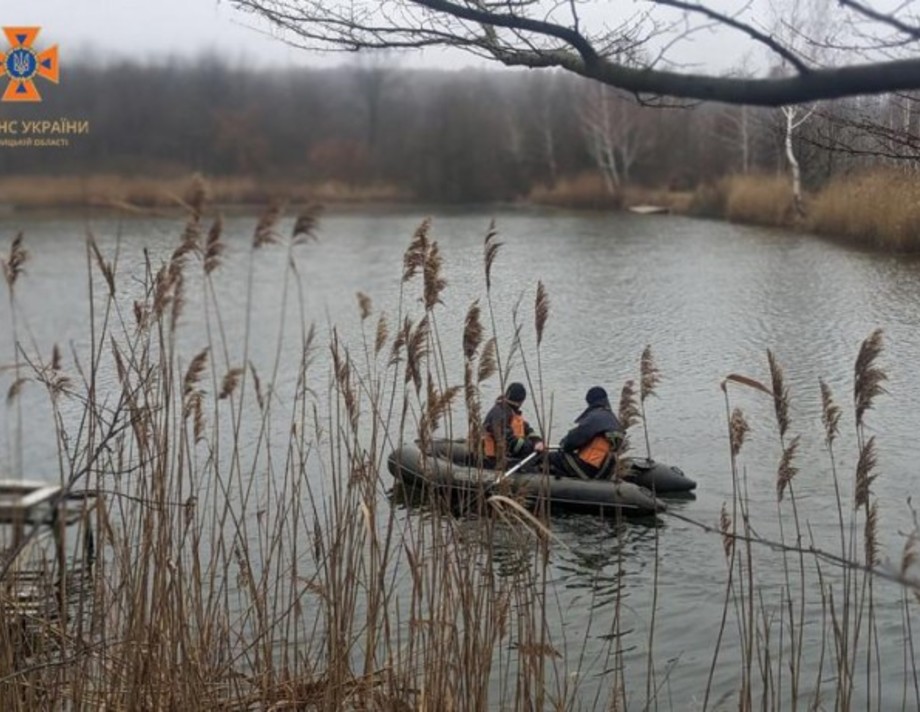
(596, 451)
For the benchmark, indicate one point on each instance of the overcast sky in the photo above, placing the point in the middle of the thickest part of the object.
(146, 29)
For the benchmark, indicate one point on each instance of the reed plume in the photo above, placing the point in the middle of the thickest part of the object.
(434, 282)
(266, 228)
(436, 405)
(214, 246)
(488, 363)
(786, 470)
(162, 290)
(870, 535)
(364, 305)
(725, 527)
(306, 224)
(865, 468)
(380, 337)
(257, 385)
(197, 196)
(416, 351)
(491, 247)
(401, 339)
(830, 413)
(230, 382)
(473, 408)
(15, 389)
(737, 430)
(13, 265)
(868, 377)
(628, 412)
(780, 395)
(541, 311)
(472, 331)
(414, 257)
(108, 272)
(650, 376)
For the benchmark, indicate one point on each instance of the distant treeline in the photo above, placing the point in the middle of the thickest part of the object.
(438, 135)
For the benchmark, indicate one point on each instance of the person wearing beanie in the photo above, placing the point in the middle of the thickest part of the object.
(506, 434)
(588, 450)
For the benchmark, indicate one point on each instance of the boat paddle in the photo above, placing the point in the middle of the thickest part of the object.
(517, 467)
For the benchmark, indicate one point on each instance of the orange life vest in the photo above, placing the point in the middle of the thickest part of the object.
(489, 448)
(596, 451)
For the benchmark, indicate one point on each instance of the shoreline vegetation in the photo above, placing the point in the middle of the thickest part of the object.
(878, 209)
(215, 588)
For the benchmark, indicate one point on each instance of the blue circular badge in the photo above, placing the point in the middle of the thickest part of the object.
(21, 63)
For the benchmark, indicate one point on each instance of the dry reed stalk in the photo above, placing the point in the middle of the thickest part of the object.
(257, 385)
(870, 535)
(381, 334)
(365, 306)
(868, 377)
(830, 413)
(865, 466)
(738, 430)
(628, 411)
(491, 246)
(488, 364)
(725, 528)
(473, 406)
(104, 267)
(472, 331)
(266, 228)
(214, 246)
(780, 395)
(541, 311)
(400, 341)
(650, 376)
(14, 264)
(414, 257)
(306, 224)
(434, 283)
(15, 389)
(197, 196)
(230, 382)
(786, 470)
(416, 352)
(195, 370)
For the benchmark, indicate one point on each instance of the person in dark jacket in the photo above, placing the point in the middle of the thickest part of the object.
(506, 434)
(588, 450)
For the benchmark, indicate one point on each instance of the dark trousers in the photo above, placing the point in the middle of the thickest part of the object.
(569, 465)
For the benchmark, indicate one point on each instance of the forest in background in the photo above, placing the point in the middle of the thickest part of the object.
(443, 136)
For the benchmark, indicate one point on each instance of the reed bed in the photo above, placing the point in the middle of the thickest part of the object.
(246, 552)
(584, 191)
(879, 209)
(125, 192)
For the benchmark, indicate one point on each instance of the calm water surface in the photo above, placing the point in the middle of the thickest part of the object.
(709, 297)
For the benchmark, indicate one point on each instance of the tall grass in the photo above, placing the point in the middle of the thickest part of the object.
(126, 192)
(877, 209)
(761, 200)
(249, 556)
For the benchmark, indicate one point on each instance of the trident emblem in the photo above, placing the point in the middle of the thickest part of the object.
(23, 64)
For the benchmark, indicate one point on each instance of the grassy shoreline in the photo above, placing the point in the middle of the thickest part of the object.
(877, 209)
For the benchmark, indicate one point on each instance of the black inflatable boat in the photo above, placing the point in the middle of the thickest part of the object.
(443, 468)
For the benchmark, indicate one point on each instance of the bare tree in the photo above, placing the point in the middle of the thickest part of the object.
(614, 133)
(631, 53)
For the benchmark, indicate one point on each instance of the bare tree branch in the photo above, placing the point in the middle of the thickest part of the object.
(912, 31)
(752, 32)
(530, 33)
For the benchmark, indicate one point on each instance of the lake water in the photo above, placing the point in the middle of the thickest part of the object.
(710, 298)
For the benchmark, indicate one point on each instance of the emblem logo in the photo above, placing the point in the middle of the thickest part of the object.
(23, 64)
